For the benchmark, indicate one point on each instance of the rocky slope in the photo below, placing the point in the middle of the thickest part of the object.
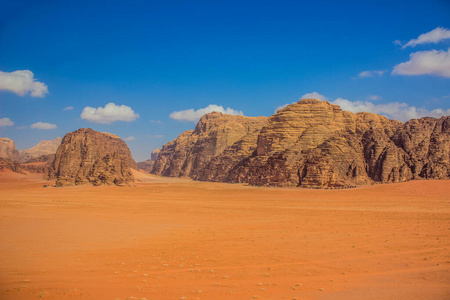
(147, 165)
(190, 154)
(88, 156)
(42, 148)
(310, 143)
(8, 149)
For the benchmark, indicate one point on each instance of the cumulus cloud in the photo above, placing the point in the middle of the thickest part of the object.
(431, 62)
(108, 114)
(372, 73)
(434, 36)
(22, 82)
(6, 122)
(129, 138)
(396, 110)
(195, 115)
(68, 108)
(42, 125)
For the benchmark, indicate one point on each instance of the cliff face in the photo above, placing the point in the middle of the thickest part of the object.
(88, 156)
(43, 148)
(190, 153)
(311, 143)
(8, 149)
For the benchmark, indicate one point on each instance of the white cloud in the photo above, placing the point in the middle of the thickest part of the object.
(68, 108)
(372, 73)
(195, 115)
(108, 114)
(6, 122)
(22, 82)
(129, 138)
(42, 125)
(374, 97)
(434, 36)
(397, 42)
(431, 62)
(314, 95)
(21, 127)
(396, 110)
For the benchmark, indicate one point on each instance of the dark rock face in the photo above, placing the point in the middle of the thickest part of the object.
(313, 144)
(87, 156)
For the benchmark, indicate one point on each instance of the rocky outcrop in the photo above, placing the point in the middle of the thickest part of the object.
(313, 143)
(147, 165)
(7, 164)
(191, 153)
(88, 156)
(42, 148)
(8, 149)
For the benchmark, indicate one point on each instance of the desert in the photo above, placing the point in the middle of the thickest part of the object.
(187, 150)
(172, 238)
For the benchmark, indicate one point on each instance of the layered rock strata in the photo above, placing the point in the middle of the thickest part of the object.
(215, 134)
(311, 143)
(88, 156)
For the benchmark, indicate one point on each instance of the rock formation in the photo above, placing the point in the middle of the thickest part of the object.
(190, 154)
(147, 165)
(42, 148)
(8, 149)
(310, 143)
(88, 156)
(7, 164)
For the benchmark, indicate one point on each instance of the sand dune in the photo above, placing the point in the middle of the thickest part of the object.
(180, 239)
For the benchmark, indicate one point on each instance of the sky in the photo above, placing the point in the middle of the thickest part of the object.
(147, 70)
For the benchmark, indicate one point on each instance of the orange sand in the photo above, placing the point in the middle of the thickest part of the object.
(181, 239)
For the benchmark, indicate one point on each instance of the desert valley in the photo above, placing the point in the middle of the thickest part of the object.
(311, 203)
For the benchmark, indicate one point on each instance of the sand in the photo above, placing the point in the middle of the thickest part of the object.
(180, 239)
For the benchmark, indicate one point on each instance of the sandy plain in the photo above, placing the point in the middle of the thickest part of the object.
(180, 239)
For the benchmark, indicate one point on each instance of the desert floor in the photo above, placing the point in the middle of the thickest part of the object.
(181, 239)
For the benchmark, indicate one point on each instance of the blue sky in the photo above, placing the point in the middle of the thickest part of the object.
(153, 58)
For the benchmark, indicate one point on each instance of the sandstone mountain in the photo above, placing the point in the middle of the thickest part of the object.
(42, 148)
(88, 156)
(147, 165)
(8, 149)
(310, 143)
(215, 134)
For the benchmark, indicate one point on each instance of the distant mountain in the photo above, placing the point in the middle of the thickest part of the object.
(147, 165)
(42, 148)
(8, 149)
(310, 143)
